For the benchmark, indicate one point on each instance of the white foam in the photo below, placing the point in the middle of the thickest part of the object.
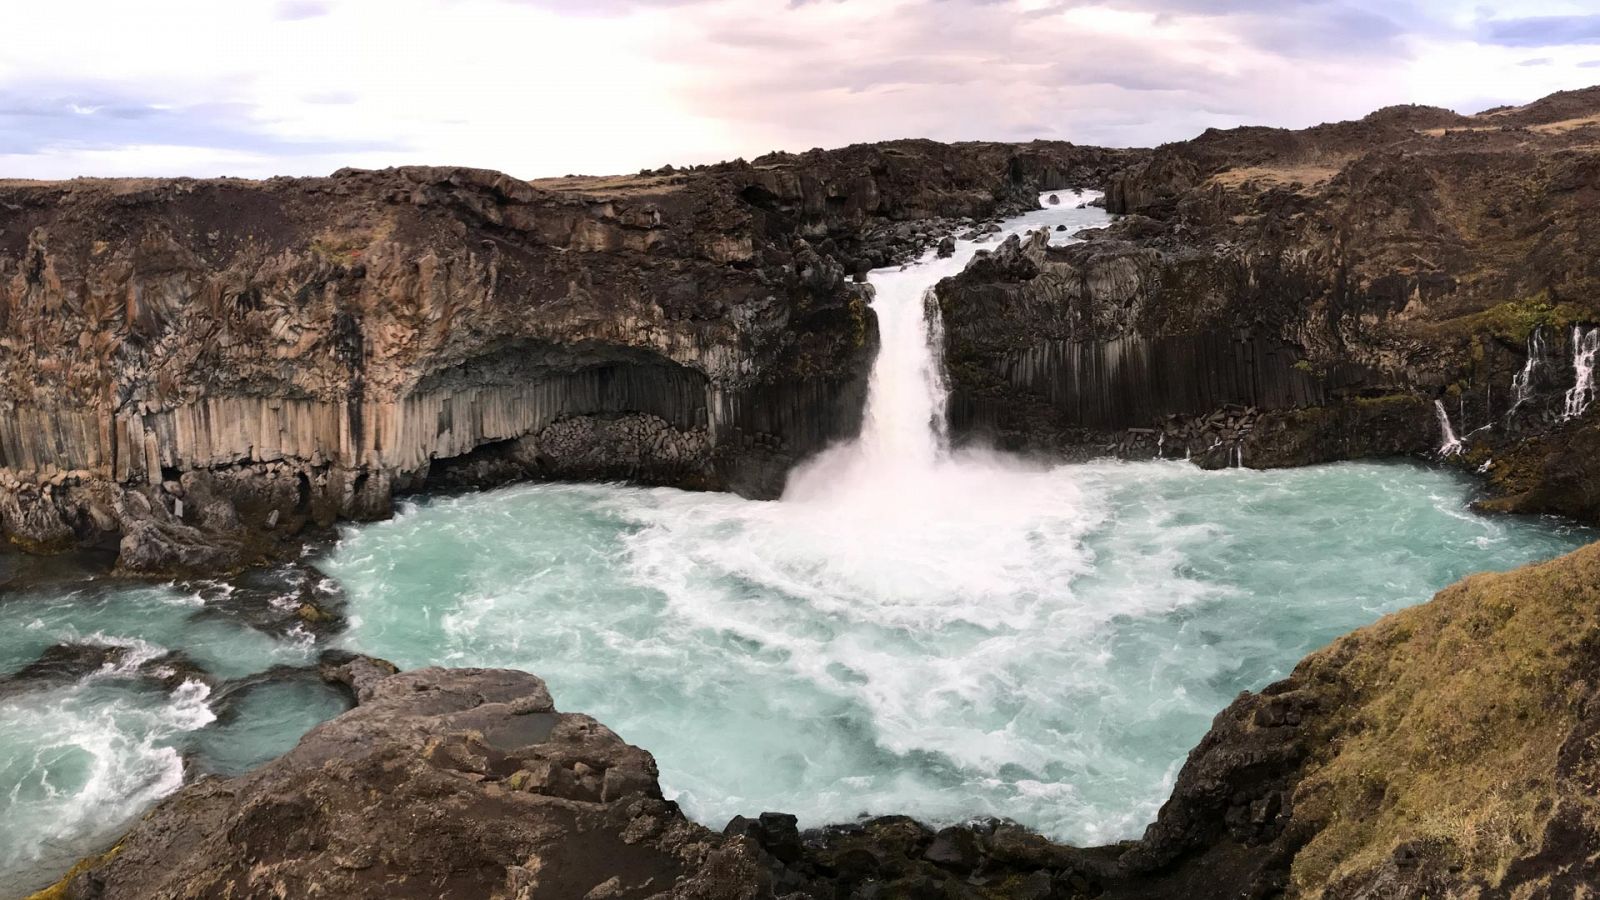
(1585, 346)
(1449, 444)
(1522, 384)
(82, 762)
(912, 629)
(139, 652)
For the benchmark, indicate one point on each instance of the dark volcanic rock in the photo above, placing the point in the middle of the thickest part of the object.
(65, 663)
(441, 783)
(1336, 279)
(205, 369)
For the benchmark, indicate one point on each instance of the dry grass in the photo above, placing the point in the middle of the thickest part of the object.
(110, 185)
(600, 186)
(1304, 175)
(1566, 125)
(1449, 736)
(1561, 127)
(1457, 129)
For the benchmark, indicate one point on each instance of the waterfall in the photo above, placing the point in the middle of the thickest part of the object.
(1450, 444)
(904, 422)
(1585, 344)
(1522, 382)
(903, 450)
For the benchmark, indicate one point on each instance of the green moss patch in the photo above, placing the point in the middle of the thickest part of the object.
(1515, 320)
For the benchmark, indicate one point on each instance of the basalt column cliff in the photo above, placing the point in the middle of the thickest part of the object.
(1278, 297)
(200, 368)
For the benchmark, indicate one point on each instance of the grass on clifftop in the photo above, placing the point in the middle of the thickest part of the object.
(1515, 320)
(1446, 721)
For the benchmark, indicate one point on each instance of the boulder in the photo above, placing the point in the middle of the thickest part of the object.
(440, 783)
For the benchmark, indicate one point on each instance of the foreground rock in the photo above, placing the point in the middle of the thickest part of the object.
(1336, 281)
(467, 783)
(1447, 751)
(441, 783)
(197, 371)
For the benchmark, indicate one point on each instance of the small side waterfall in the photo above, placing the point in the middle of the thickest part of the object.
(1522, 383)
(1585, 345)
(1449, 443)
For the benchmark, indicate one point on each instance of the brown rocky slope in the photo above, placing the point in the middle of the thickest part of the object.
(199, 369)
(1449, 750)
(1302, 296)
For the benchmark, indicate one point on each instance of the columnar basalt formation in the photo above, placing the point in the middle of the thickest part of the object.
(1335, 281)
(204, 367)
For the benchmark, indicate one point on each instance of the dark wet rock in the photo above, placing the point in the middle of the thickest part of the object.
(153, 547)
(954, 848)
(1055, 200)
(293, 600)
(947, 247)
(69, 662)
(776, 833)
(442, 783)
(62, 664)
(361, 674)
(1332, 278)
(298, 351)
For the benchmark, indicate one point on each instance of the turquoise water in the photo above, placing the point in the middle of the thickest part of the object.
(981, 639)
(910, 630)
(1045, 645)
(83, 752)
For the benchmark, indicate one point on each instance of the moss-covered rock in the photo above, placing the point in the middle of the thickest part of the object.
(1451, 749)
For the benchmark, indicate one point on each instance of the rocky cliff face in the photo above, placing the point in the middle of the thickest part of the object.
(1446, 751)
(202, 368)
(1293, 297)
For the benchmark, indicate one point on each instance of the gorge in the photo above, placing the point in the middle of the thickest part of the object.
(919, 625)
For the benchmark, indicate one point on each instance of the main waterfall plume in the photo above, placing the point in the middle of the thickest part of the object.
(903, 445)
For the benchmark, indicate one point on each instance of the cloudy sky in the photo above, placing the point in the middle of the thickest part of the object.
(549, 87)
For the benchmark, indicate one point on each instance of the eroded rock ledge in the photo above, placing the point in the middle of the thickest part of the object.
(1448, 750)
(1331, 282)
(201, 369)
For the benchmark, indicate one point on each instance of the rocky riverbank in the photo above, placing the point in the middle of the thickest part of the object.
(1444, 751)
(1334, 282)
(198, 371)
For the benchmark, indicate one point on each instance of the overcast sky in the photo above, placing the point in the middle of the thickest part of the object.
(549, 87)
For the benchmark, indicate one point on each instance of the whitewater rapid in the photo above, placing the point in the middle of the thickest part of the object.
(81, 757)
(913, 629)
(909, 630)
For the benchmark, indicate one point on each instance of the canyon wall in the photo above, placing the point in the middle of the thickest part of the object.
(1283, 297)
(201, 369)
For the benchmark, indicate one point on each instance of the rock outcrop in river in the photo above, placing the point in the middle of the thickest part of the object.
(1303, 296)
(1448, 750)
(200, 369)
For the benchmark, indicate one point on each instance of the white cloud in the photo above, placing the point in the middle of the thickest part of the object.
(537, 87)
